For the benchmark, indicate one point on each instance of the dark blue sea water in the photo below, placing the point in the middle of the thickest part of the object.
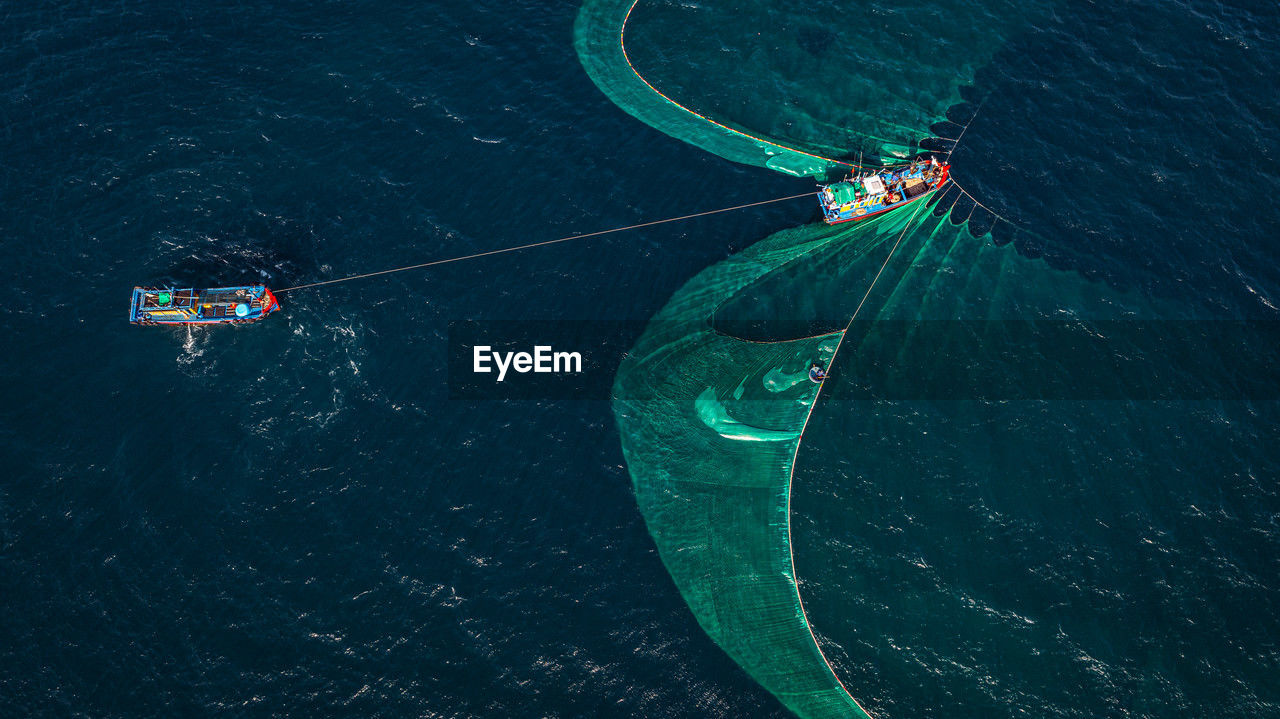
(292, 518)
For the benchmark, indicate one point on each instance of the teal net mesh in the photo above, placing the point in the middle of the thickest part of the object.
(801, 88)
(710, 426)
(711, 418)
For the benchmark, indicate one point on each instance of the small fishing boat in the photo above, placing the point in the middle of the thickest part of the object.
(216, 305)
(873, 193)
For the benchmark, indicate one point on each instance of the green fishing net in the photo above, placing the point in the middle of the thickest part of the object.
(713, 400)
(796, 87)
(710, 426)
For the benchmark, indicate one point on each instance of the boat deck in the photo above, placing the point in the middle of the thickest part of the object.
(865, 196)
(153, 305)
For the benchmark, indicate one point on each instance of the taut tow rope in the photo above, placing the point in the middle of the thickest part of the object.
(540, 244)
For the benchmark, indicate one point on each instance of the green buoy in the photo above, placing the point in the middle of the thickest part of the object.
(165, 297)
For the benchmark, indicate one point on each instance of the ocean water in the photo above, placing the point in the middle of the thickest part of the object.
(292, 518)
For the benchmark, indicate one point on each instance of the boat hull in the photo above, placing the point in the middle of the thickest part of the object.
(212, 306)
(869, 215)
(868, 196)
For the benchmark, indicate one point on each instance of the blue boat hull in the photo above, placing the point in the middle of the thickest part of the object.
(211, 306)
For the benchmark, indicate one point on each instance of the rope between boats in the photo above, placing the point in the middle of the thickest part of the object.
(531, 245)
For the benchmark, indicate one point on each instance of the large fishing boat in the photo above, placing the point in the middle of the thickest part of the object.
(167, 306)
(868, 194)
